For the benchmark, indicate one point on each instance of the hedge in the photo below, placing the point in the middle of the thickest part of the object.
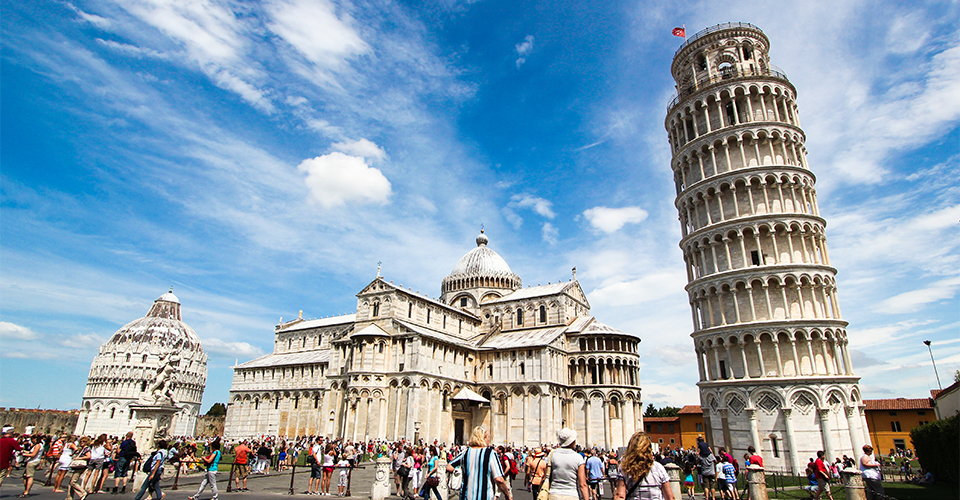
(936, 447)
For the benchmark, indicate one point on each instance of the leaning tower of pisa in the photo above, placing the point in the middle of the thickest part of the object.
(771, 346)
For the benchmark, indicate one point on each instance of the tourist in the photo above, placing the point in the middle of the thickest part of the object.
(316, 473)
(481, 470)
(688, 479)
(263, 458)
(98, 454)
(823, 476)
(78, 466)
(328, 462)
(755, 458)
(535, 471)
(406, 474)
(241, 464)
(613, 467)
(33, 457)
(643, 477)
(706, 467)
(211, 462)
(101, 479)
(63, 464)
(567, 469)
(125, 456)
(870, 470)
(730, 477)
(432, 480)
(155, 466)
(344, 466)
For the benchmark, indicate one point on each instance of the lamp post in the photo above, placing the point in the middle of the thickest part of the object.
(927, 342)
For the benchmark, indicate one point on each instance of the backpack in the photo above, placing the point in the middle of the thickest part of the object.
(148, 463)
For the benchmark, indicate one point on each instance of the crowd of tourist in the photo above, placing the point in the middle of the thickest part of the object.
(83, 465)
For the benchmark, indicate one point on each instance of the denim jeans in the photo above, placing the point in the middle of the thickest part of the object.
(151, 484)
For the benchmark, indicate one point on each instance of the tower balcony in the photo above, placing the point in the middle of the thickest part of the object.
(728, 75)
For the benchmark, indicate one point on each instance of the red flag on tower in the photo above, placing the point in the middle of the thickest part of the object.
(681, 32)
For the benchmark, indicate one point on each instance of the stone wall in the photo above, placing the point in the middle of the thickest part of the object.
(45, 421)
(209, 426)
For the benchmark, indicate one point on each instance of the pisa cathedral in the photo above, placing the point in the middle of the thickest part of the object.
(523, 362)
(772, 348)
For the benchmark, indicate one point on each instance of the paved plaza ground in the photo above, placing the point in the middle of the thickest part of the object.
(271, 485)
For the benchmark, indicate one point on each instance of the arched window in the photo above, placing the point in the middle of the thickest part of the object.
(774, 447)
(144, 358)
(519, 317)
(490, 369)
(522, 369)
(428, 315)
(410, 310)
(376, 309)
(113, 412)
(543, 314)
(128, 357)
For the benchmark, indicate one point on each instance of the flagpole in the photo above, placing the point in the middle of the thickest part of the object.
(684, 32)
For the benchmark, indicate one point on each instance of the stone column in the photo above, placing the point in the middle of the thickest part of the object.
(856, 437)
(381, 481)
(824, 415)
(754, 428)
(674, 472)
(853, 484)
(791, 440)
(756, 484)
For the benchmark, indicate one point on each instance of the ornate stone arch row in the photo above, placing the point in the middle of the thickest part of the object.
(604, 369)
(780, 296)
(791, 240)
(731, 105)
(531, 312)
(725, 188)
(786, 351)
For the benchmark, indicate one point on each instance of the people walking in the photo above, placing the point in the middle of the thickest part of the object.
(211, 461)
(152, 481)
(125, 455)
(481, 470)
(242, 465)
(567, 469)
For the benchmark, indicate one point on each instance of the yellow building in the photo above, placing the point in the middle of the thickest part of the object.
(691, 425)
(891, 420)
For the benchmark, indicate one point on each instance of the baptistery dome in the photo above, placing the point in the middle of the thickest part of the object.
(127, 372)
(481, 270)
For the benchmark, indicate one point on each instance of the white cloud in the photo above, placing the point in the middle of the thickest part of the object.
(132, 50)
(241, 350)
(537, 204)
(10, 331)
(335, 179)
(914, 300)
(549, 233)
(93, 19)
(523, 49)
(644, 289)
(324, 127)
(81, 341)
(610, 220)
(361, 147)
(315, 31)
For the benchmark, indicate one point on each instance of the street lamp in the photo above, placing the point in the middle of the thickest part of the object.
(927, 342)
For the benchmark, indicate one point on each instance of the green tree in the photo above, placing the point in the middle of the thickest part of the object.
(217, 410)
(956, 376)
(651, 411)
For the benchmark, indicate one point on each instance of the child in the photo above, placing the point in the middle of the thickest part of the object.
(688, 479)
(343, 465)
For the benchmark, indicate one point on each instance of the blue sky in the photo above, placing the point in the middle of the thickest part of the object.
(261, 158)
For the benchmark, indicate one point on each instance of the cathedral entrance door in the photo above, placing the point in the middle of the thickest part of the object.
(458, 431)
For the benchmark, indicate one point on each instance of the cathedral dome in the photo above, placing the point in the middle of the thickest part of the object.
(481, 267)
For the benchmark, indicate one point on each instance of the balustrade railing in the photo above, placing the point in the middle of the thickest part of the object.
(726, 75)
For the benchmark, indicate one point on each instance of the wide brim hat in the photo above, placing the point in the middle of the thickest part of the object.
(566, 437)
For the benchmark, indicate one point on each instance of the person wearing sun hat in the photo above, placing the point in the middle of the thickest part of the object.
(535, 471)
(568, 475)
